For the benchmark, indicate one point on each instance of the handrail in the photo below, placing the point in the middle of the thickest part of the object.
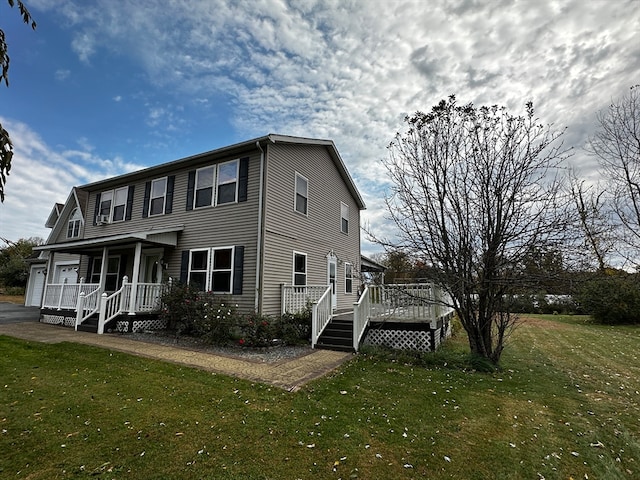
(320, 315)
(88, 304)
(361, 315)
(65, 295)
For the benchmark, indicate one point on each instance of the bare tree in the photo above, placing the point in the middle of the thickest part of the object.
(617, 146)
(593, 222)
(475, 190)
(6, 147)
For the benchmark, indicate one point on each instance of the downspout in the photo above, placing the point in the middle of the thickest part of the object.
(257, 303)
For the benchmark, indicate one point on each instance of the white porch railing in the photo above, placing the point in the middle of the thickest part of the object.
(320, 315)
(87, 299)
(296, 298)
(65, 295)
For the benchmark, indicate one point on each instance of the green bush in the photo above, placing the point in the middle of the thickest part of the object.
(257, 331)
(612, 298)
(294, 328)
(189, 311)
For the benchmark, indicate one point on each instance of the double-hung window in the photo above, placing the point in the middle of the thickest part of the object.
(119, 204)
(211, 269)
(199, 269)
(302, 194)
(75, 222)
(299, 269)
(106, 200)
(227, 182)
(158, 196)
(204, 187)
(344, 217)
(348, 278)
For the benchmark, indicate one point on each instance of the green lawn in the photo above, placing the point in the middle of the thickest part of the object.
(566, 405)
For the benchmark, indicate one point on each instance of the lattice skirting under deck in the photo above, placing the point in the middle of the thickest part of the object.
(140, 325)
(418, 337)
(58, 320)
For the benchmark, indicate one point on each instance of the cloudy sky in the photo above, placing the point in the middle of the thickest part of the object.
(103, 87)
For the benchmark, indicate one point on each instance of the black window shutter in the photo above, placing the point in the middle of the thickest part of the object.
(191, 186)
(97, 209)
(184, 267)
(168, 205)
(127, 215)
(238, 262)
(147, 199)
(243, 179)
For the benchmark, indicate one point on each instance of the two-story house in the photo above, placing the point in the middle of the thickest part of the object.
(268, 222)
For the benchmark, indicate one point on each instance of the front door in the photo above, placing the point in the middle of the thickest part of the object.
(151, 271)
(331, 279)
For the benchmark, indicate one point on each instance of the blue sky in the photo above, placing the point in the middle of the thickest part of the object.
(102, 88)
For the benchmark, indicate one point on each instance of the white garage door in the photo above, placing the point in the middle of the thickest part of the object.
(66, 272)
(36, 281)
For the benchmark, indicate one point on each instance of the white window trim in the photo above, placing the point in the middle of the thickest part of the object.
(346, 277)
(163, 196)
(78, 221)
(209, 271)
(213, 187)
(295, 195)
(113, 204)
(293, 269)
(344, 207)
(218, 184)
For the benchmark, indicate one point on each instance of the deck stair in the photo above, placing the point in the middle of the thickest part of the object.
(338, 335)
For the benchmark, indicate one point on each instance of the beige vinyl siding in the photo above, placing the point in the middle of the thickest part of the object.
(316, 233)
(218, 226)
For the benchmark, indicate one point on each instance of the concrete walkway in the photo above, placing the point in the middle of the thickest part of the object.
(289, 375)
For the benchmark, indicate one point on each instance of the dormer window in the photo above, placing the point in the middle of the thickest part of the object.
(75, 222)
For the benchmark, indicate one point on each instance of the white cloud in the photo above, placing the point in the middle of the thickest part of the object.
(42, 176)
(62, 74)
(350, 71)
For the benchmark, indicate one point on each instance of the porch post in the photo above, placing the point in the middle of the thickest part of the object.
(134, 279)
(47, 277)
(103, 269)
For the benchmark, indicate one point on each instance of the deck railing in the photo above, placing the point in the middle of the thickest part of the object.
(418, 302)
(88, 304)
(296, 298)
(320, 315)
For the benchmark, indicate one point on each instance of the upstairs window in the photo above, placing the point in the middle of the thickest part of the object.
(227, 182)
(106, 200)
(299, 269)
(344, 218)
(75, 222)
(204, 187)
(158, 196)
(302, 194)
(119, 204)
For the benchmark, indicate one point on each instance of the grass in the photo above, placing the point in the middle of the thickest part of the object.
(566, 404)
(18, 299)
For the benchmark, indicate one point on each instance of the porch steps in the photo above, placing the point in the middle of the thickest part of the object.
(338, 335)
(89, 325)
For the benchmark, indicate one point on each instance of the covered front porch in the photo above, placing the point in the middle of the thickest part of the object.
(122, 276)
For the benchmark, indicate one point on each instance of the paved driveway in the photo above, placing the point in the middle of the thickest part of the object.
(13, 313)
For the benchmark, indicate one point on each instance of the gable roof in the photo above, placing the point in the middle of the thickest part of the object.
(238, 148)
(77, 199)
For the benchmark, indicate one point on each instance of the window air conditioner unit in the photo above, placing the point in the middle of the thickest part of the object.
(102, 219)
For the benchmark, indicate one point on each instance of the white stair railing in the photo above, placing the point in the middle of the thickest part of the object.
(361, 315)
(320, 316)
